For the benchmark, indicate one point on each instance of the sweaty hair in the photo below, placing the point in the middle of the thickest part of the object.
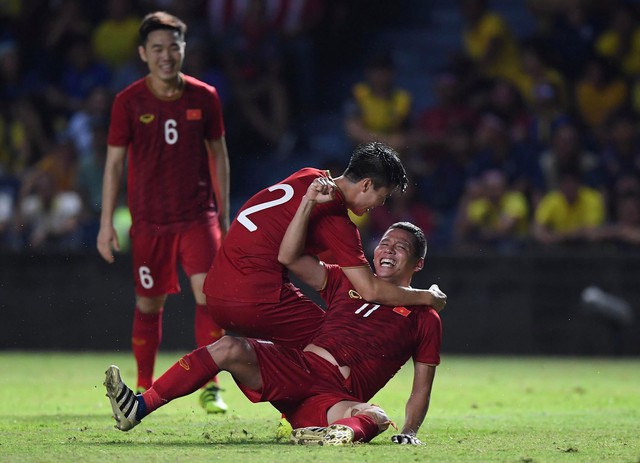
(160, 20)
(419, 240)
(378, 162)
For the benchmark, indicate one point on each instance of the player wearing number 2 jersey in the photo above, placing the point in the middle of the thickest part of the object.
(323, 389)
(248, 290)
(170, 129)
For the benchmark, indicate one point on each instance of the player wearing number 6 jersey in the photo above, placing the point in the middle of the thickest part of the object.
(248, 290)
(169, 127)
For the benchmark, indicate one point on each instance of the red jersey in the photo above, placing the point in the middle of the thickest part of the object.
(375, 341)
(169, 183)
(246, 268)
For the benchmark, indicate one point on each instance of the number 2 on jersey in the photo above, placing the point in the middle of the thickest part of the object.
(243, 217)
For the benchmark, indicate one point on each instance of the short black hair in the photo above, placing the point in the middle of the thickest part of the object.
(161, 20)
(380, 163)
(419, 240)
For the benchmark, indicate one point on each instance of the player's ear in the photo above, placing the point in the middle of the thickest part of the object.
(366, 183)
(419, 265)
(142, 53)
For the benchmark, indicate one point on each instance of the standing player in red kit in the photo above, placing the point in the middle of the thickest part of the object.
(248, 290)
(171, 127)
(323, 389)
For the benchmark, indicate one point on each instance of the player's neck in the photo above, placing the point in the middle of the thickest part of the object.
(345, 186)
(166, 88)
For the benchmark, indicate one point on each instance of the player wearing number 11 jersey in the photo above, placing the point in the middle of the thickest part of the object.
(323, 389)
(169, 128)
(248, 291)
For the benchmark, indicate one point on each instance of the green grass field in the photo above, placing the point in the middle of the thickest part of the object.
(484, 409)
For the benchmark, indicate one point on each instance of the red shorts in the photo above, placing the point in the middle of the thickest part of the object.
(291, 322)
(156, 258)
(301, 385)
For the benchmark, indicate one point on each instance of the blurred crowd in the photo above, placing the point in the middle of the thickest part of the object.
(529, 141)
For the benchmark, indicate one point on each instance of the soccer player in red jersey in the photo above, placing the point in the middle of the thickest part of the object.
(169, 128)
(248, 290)
(323, 389)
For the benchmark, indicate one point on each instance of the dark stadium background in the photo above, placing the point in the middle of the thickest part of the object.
(528, 302)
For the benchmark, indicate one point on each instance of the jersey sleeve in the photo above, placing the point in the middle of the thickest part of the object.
(331, 284)
(429, 337)
(119, 127)
(215, 128)
(339, 236)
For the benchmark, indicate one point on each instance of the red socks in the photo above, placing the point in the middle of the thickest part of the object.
(147, 334)
(187, 375)
(145, 340)
(206, 329)
(364, 427)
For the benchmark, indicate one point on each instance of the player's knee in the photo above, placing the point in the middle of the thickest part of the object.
(375, 412)
(227, 350)
(150, 305)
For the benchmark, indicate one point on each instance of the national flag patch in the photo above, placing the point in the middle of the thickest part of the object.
(402, 311)
(194, 114)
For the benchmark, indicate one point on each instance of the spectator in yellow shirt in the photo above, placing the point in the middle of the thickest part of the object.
(599, 94)
(620, 42)
(489, 41)
(378, 110)
(497, 216)
(569, 213)
(115, 38)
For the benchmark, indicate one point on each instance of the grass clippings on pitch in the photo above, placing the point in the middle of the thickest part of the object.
(485, 409)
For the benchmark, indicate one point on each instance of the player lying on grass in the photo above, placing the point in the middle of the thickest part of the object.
(324, 389)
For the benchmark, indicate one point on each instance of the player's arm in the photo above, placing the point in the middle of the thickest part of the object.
(113, 169)
(311, 271)
(374, 289)
(220, 174)
(417, 405)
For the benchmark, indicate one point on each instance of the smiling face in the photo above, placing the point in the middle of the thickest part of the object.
(164, 53)
(395, 257)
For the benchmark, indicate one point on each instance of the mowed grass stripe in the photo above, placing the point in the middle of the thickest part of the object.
(484, 409)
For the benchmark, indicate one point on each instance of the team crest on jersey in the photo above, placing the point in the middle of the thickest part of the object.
(354, 294)
(194, 114)
(147, 118)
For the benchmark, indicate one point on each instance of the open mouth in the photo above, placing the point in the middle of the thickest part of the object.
(386, 262)
(166, 67)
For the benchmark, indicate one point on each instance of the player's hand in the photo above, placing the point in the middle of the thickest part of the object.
(108, 239)
(440, 298)
(405, 439)
(321, 190)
